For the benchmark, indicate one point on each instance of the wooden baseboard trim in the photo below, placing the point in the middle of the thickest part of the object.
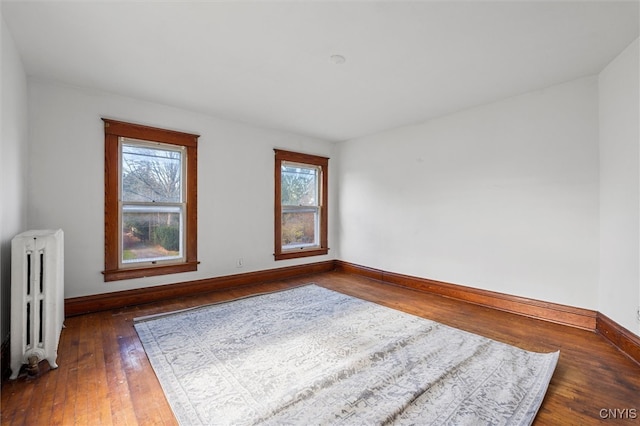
(561, 314)
(619, 336)
(119, 299)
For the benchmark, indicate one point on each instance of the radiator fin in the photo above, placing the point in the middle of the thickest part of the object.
(40, 323)
(28, 320)
(41, 270)
(28, 273)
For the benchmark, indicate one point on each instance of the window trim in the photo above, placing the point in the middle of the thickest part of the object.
(305, 159)
(113, 131)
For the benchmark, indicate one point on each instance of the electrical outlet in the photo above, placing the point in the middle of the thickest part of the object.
(239, 262)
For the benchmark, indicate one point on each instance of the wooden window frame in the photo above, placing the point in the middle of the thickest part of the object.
(113, 131)
(312, 160)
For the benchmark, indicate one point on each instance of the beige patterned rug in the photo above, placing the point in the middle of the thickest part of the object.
(312, 356)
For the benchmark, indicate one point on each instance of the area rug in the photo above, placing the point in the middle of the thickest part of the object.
(313, 356)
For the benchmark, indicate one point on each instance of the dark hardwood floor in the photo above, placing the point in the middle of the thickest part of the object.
(105, 378)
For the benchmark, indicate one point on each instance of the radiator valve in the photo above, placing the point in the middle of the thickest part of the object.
(32, 366)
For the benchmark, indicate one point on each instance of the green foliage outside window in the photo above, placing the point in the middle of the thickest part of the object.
(168, 237)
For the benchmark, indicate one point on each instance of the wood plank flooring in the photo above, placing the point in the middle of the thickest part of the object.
(104, 377)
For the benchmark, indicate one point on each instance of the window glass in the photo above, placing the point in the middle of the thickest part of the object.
(151, 234)
(299, 228)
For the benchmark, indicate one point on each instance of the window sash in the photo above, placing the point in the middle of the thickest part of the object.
(297, 245)
(150, 209)
(295, 170)
(160, 166)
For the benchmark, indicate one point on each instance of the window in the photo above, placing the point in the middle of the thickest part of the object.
(150, 201)
(300, 205)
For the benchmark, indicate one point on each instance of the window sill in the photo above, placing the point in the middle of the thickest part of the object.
(294, 254)
(130, 273)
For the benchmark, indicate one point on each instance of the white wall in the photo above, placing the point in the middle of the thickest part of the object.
(619, 90)
(13, 164)
(235, 183)
(502, 197)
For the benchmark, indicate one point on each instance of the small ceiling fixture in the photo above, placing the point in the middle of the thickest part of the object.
(337, 59)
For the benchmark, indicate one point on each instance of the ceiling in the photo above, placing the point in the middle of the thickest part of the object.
(268, 63)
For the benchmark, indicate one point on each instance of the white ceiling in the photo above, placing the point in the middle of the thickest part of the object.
(268, 63)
